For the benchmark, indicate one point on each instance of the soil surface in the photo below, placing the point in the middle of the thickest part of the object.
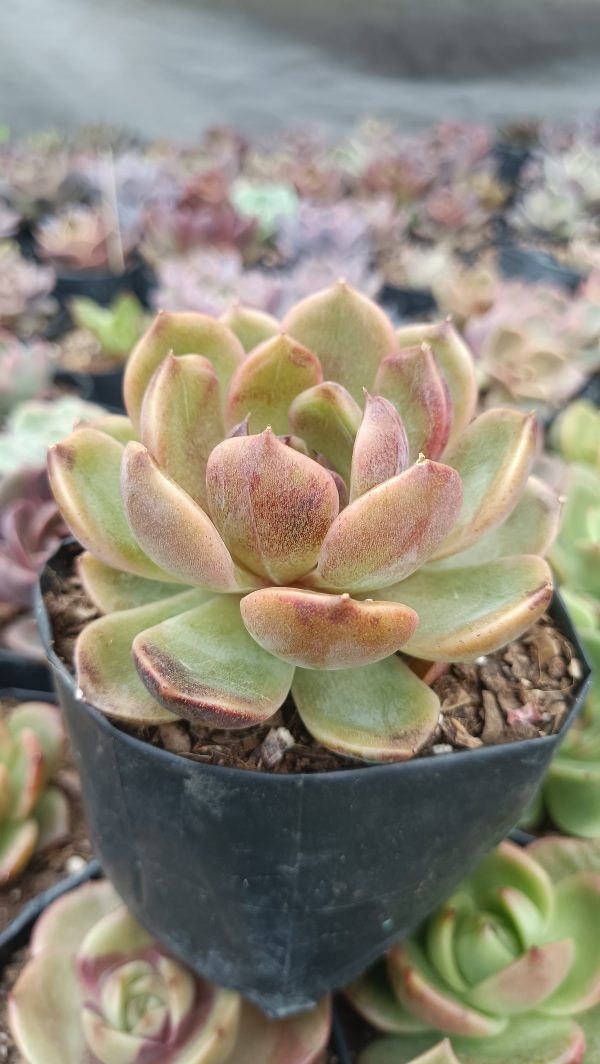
(521, 692)
(46, 869)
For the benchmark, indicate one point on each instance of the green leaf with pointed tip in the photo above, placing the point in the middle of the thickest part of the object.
(410, 379)
(268, 380)
(440, 934)
(46, 721)
(379, 712)
(529, 529)
(205, 666)
(386, 534)
(327, 418)
(181, 334)
(172, 529)
(252, 327)
(116, 426)
(380, 448)
(297, 1040)
(493, 458)
(510, 866)
(111, 589)
(70, 917)
(45, 1010)
(576, 916)
(348, 333)
(182, 420)
(456, 363)
(467, 612)
(372, 997)
(403, 1049)
(52, 815)
(561, 857)
(85, 476)
(105, 670)
(526, 983)
(17, 846)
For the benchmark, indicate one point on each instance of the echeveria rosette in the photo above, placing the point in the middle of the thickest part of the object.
(98, 989)
(506, 972)
(34, 815)
(290, 516)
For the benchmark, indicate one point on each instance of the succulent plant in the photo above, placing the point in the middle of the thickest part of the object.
(575, 432)
(467, 290)
(33, 426)
(9, 221)
(30, 530)
(267, 203)
(171, 231)
(508, 969)
(84, 238)
(97, 989)
(212, 281)
(34, 815)
(25, 288)
(237, 568)
(25, 370)
(116, 328)
(31, 176)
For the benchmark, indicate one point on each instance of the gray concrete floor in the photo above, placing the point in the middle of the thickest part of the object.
(171, 67)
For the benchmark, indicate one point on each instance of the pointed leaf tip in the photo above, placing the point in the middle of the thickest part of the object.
(268, 380)
(381, 448)
(410, 378)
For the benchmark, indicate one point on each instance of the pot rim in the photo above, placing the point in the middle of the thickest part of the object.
(557, 610)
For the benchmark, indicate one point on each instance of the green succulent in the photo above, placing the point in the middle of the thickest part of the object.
(270, 203)
(116, 328)
(34, 425)
(508, 969)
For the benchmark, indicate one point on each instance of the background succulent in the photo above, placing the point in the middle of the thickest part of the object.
(33, 814)
(508, 969)
(117, 328)
(33, 426)
(25, 370)
(32, 175)
(30, 530)
(211, 281)
(267, 203)
(25, 287)
(98, 990)
(84, 238)
(237, 568)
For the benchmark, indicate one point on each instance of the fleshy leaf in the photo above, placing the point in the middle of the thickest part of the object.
(386, 534)
(252, 327)
(525, 984)
(319, 631)
(17, 846)
(71, 916)
(380, 448)
(85, 476)
(268, 380)
(111, 589)
(576, 916)
(52, 815)
(456, 364)
(172, 529)
(347, 332)
(411, 380)
(561, 857)
(467, 612)
(272, 505)
(372, 997)
(493, 458)
(529, 529)
(47, 1000)
(379, 712)
(182, 420)
(572, 791)
(328, 418)
(106, 673)
(181, 334)
(45, 720)
(404, 1049)
(205, 666)
(117, 426)
(298, 1040)
(27, 774)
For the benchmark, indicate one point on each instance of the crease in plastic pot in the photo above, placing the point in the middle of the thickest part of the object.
(285, 887)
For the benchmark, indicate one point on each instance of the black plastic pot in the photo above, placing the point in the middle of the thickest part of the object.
(284, 887)
(510, 159)
(536, 266)
(407, 303)
(19, 671)
(102, 286)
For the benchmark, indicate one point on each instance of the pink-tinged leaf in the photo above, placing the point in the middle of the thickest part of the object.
(172, 529)
(440, 1054)
(111, 589)
(272, 505)
(297, 1040)
(70, 917)
(467, 612)
(494, 459)
(45, 720)
(85, 477)
(319, 631)
(576, 916)
(181, 334)
(106, 673)
(590, 1022)
(561, 857)
(371, 995)
(52, 815)
(456, 364)
(268, 380)
(386, 534)
(403, 1049)
(328, 418)
(380, 448)
(432, 1004)
(27, 774)
(379, 712)
(205, 666)
(182, 420)
(44, 1010)
(252, 327)
(17, 846)
(117, 426)
(440, 939)
(511, 867)
(411, 380)
(529, 529)
(349, 334)
(525, 984)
